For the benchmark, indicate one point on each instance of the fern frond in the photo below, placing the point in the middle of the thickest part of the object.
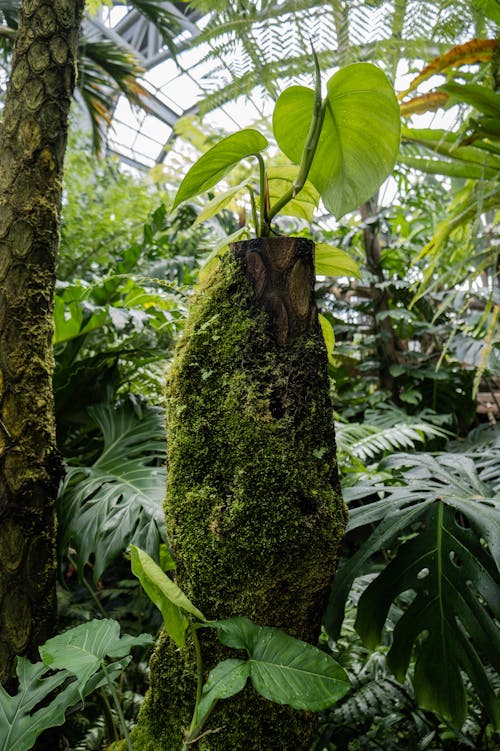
(367, 442)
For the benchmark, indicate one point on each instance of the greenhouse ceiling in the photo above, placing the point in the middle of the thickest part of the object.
(229, 60)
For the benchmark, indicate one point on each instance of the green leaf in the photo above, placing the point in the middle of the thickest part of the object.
(451, 565)
(226, 679)
(280, 179)
(359, 140)
(212, 260)
(328, 336)
(482, 98)
(332, 261)
(166, 595)
(283, 669)
(218, 203)
(212, 166)
(83, 649)
(28, 713)
(118, 499)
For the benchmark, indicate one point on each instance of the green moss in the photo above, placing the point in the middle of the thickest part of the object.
(253, 506)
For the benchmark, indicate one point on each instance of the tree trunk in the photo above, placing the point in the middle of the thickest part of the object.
(32, 146)
(388, 345)
(254, 508)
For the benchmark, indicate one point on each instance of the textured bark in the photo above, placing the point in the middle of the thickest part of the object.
(32, 147)
(253, 507)
(281, 271)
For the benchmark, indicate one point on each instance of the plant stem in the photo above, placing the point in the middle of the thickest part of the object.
(262, 229)
(194, 730)
(309, 150)
(118, 708)
(305, 164)
(254, 210)
(108, 718)
(88, 587)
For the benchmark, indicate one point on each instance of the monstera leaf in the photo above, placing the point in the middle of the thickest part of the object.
(117, 500)
(82, 650)
(46, 693)
(452, 567)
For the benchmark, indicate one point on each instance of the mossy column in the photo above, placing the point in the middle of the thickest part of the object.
(253, 507)
(32, 146)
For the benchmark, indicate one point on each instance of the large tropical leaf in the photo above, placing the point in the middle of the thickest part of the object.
(281, 668)
(359, 140)
(48, 689)
(117, 500)
(42, 700)
(83, 650)
(452, 566)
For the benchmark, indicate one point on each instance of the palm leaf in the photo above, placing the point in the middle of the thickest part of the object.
(105, 69)
(118, 500)
(164, 17)
(452, 566)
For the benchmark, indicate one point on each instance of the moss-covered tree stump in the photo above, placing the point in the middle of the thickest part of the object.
(253, 507)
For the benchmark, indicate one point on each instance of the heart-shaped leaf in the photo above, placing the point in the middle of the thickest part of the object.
(283, 669)
(328, 336)
(359, 140)
(212, 166)
(280, 179)
(225, 680)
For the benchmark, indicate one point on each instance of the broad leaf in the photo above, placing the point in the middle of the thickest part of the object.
(328, 336)
(332, 261)
(217, 204)
(117, 500)
(166, 595)
(452, 567)
(28, 713)
(359, 140)
(280, 179)
(283, 669)
(212, 166)
(83, 649)
(226, 679)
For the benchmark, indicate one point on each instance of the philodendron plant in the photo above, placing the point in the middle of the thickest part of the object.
(340, 146)
(280, 668)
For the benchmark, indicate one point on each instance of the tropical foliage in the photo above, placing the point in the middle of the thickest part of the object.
(413, 297)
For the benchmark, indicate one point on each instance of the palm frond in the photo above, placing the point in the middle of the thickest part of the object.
(104, 69)
(163, 18)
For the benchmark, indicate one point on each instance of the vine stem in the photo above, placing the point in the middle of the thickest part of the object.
(309, 150)
(262, 229)
(193, 728)
(254, 209)
(118, 708)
